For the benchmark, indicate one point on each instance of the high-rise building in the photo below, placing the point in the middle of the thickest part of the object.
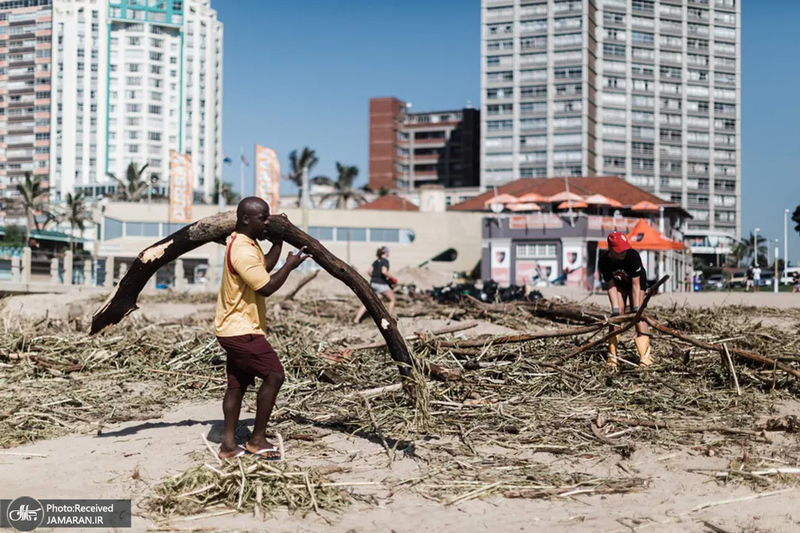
(131, 80)
(645, 89)
(407, 150)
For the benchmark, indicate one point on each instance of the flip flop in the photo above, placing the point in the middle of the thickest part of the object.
(240, 452)
(261, 453)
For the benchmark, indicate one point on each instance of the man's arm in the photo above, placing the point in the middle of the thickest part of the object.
(614, 297)
(272, 257)
(637, 293)
(293, 260)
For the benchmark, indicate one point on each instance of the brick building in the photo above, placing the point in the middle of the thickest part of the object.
(407, 150)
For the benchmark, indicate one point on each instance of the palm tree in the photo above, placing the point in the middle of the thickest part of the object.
(132, 189)
(343, 190)
(230, 197)
(307, 159)
(33, 197)
(744, 249)
(76, 213)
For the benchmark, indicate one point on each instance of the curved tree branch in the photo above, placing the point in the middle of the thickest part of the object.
(216, 228)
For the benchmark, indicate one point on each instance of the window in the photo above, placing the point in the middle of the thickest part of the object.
(642, 5)
(499, 125)
(528, 124)
(640, 132)
(500, 109)
(674, 42)
(533, 42)
(643, 54)
(142, 229)
(641, 37)
(613, 50)
(697, 44)
(528, 26)
(670, 103)
(536, 251)
(614, 66)
(382, 235)
(612, 82)
(563, 106)
(563, 139)
(609, 17)
(642, 164)
(614, 99)
(134, 41)
(568, 39)
(698, 75)
(612, 129)
(533, 141)
(528, 59)
(724, 62)
(569, 89)
(612, 34)
(531, 108)
(726, 78)
(643, 85)
(725, 94)
(642, 116)
(133, 108)
(725, 18)
(697, 29)
(494, 46)
(614, 161)
(672, 57)
(643, 22)
(638, 69)
(566, 73)
(534, 75)
(567, 23)
(499, 93)
(533, 91)
(671, 72)
(643, 101)
(497, 142)
(642, 148)
(669, 135)
(495, 77)
(351, 234)
(724, 139)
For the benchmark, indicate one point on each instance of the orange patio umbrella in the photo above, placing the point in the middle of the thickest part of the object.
(534, 197)
(573, 205)
(565, 196)
(501, 199)
(599, 199)
(644, 205)
(644, 237)
(527, 206)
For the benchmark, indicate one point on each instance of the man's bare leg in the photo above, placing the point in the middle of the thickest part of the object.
(265, 402)
(231, 407)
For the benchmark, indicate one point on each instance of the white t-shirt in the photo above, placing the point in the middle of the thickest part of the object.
(756, 273)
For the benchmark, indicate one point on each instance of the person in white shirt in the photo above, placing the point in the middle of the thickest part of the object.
(756, 278)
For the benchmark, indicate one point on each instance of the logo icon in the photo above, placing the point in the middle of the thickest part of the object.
(500, 256)
(25, 514)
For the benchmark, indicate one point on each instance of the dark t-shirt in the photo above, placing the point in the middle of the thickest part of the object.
(750, 274)
(377, 265)
(622, 272)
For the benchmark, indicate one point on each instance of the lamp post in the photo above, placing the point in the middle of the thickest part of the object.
(775, 279)
(785, 239)
(755, 246)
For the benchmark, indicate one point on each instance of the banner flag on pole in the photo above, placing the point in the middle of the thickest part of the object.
(268, 176)
(181, 188)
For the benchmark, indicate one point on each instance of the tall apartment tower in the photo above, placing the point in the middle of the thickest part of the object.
(25, 29)
(645, 89)
(90, 86)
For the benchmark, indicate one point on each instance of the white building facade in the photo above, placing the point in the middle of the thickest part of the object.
(645, 89)
(133, 80)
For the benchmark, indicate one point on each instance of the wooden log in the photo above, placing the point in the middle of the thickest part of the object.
(217, 228)
(510, 339)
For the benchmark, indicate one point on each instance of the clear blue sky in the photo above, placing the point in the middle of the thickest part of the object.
(300, 73)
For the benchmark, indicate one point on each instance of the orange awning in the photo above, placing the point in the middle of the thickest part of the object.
(534, 197)
(599, 199)
(573, 205)
(527, 206)
(644, 205)
(501, 199)
(565, 196)
(644, 237)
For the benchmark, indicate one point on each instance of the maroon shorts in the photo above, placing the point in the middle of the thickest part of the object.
(249, 356)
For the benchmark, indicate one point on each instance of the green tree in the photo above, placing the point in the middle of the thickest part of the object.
(305, 159)
(343, 190)
(744, 250)
(228, 194)
(32, 198)
(134, 186)
(796, 219)
(14, 236)
(77, 213)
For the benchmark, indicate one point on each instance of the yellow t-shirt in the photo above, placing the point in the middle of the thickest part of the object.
(240, 309)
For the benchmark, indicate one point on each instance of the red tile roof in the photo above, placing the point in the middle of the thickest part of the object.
(611, 186)
(390, 202)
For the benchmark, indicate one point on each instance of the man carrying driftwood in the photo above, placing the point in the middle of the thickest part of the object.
(625, 279)
(240, 325)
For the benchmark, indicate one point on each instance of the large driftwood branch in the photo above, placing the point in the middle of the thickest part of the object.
(216, 228)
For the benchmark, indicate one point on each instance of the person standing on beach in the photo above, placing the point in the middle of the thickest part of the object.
(380, 281)
(240, 325)
(748, 286)
(757, 278)
(625, 279)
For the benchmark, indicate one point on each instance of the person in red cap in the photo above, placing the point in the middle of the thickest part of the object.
(625, 279)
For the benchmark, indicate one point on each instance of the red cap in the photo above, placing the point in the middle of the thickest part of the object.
(618, 242)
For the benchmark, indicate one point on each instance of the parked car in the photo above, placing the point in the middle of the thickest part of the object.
(766, 278)
(715, 282)
(738, 279)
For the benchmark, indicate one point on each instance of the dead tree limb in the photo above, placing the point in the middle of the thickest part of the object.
(618, 331)
(217, 228)
(744, 354)
(510, 339)
(303, 282)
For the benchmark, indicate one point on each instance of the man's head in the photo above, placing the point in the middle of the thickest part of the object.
(617, 245)
(252, 215)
